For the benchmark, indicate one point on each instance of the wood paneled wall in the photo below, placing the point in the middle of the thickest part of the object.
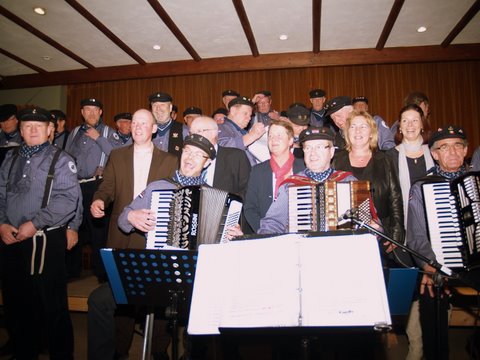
(453, 89)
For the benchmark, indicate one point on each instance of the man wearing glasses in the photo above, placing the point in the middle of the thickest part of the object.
(230, 170)
(448, 146)
(197, 154)
(318, 151)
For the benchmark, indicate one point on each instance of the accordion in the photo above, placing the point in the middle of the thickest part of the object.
(317, 207)
(192, 215)
(453, 219)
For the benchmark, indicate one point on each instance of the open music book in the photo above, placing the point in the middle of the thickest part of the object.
(289, 281)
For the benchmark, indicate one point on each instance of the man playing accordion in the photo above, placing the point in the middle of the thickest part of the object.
(448, 146)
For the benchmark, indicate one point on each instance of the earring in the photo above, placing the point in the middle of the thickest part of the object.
(421, 131)
(400, 131)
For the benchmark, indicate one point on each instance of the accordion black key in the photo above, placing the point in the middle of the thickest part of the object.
(191, 216)
(453, 219)
(317, 207)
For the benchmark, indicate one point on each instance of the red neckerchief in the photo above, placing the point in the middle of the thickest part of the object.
(281, 172)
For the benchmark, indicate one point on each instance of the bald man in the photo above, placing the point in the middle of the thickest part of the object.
(231, 169)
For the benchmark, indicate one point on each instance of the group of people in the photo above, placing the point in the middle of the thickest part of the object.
(60, 190)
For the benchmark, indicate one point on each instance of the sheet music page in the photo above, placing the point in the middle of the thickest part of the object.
(245, 284)
(265, 294)
(259, 148)
(209, 289)
(342, 281)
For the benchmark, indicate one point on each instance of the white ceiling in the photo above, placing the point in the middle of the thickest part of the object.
(214, 29)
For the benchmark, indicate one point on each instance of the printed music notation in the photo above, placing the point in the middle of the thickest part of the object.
(289, 281)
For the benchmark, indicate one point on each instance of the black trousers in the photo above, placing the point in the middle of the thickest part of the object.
(38, 301)
(434, 327)
(93, 231)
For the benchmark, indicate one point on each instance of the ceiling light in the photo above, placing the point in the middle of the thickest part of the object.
(283, 37)
(157, 47)
(40, 10)
(422, 29)
(47, 58)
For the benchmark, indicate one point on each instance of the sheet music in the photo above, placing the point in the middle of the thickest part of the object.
(343, 284)
(259, 148)
(289, 281)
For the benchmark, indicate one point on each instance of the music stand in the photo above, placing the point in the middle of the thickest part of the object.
(153, 278)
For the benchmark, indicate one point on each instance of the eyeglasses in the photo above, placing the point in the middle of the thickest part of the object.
(194, 155)
(316, 148)
(200, 131)
(456, 146)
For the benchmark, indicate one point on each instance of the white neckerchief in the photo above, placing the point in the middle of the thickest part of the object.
(404, 174)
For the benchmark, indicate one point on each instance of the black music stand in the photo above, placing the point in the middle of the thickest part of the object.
(153, 278)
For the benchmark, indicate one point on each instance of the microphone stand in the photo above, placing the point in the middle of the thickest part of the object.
(438, 277)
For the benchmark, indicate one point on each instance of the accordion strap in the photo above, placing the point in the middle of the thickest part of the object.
(301, 180)
(339, 175)
(298, 180)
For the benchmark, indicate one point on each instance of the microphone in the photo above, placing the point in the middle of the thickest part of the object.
(348, 214)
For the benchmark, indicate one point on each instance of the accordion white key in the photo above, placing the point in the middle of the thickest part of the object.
(318, 207)
(192, 215)
(453, 218)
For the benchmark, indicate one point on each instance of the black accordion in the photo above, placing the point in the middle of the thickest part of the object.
(453, 219)
(192, 215)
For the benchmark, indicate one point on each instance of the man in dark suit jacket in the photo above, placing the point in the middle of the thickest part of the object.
(230, 169)
(266, 177)
(121, 184)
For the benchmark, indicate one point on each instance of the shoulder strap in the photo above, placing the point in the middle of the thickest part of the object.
(105, 135)
(65, 138)
(75, 132)
(51, 172)
(14, 158)
(339, 175)
(298, 180)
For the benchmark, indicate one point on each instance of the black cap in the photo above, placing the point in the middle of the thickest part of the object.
(264, 92)
(336, 104)
(448, 132)
(91, 102)
(58, 115)
(174, 108)
(125, 115)
(240, 100)
(360, 99)
(6, 111)
(192, 110)
(298, 114)
(159, 97)
(202, 143)
(230, 93)
(220, 111)
(316, 133)
(35, 114)
(316, 93)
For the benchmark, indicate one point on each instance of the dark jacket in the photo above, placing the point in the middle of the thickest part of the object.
(385, 188)
(232, 170)
(260, 192)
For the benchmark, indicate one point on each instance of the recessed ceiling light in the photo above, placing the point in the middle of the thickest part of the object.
(283, 37)
(40, 10)
(157, 47)
(47, 58)
(422, 29)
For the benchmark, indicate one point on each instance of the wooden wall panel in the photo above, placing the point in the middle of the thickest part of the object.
(453, 89)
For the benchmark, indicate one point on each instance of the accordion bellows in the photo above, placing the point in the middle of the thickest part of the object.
(318, 207)
(191, 216)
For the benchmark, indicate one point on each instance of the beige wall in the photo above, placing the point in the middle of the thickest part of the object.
(48, 97)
